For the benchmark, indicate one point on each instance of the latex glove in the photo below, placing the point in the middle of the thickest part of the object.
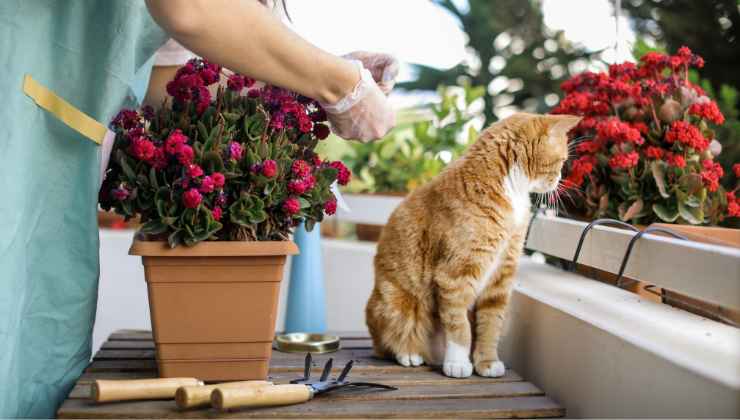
(365, 114)
(383, 67)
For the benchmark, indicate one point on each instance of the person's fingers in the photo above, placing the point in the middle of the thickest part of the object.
(383, 67)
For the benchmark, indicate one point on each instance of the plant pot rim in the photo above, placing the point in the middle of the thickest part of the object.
(214, 249)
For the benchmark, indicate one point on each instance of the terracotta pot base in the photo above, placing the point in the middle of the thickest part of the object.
(214, 306)
(215, 370)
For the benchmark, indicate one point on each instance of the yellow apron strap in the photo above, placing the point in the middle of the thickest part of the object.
(66, 112)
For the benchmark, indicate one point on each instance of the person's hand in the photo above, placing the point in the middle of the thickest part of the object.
(383, 67)
(364, 114)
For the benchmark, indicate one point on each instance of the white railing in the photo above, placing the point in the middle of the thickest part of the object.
(707, 272)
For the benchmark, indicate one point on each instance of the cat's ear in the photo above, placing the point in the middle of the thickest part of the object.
(559, 125)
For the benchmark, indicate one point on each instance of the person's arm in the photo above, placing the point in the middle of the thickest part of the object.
(245, 37)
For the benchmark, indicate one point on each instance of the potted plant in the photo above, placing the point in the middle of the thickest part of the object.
(649, 148)
(218, 183)
(414, 152)
(646, 151)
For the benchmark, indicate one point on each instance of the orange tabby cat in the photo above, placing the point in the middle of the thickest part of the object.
(452, 246)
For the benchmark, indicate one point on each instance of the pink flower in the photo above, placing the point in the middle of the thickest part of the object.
(343, 175)
(185, 154)
(235, 150)
(297, 186)
(142, 148)
(269, 168)
(309, 182)
(291, 206)
(300, 168)
(330, 207)
(191, 198)
(235, 83)
(207, 185)
(217, 213)
(194, 171)
(221, 199)
(175, 141)
(218, 179)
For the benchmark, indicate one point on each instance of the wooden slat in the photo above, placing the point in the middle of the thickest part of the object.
(326, 407)
(120, 345)
(667, 262)
(131, 335)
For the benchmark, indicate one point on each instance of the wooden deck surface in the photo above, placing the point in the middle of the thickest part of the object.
(423, 391)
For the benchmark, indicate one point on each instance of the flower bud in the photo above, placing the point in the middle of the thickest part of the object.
(715, 147)
(670, 111)
(687, 96)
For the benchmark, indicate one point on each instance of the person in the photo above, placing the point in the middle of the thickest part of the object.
(90, 53)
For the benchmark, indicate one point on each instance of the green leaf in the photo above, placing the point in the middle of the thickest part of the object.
(153, 227)
(304, 203)
(175, 238)
(664, 213)
(202, 131)
(658, 171)
(153, 179)
(123, 160)
(695, 216)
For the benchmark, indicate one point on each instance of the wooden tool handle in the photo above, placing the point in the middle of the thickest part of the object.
(266, 396)
(200, 396)
(138, 389)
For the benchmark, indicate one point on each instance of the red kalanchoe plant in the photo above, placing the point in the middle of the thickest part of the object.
(237, 166)
(644, 150)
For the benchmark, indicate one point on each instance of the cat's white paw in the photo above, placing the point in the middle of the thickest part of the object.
(458, 369)
(492, 370)
(411, 359)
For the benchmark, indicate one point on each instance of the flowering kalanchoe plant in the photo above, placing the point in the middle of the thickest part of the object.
(648, 149)
(237, 166)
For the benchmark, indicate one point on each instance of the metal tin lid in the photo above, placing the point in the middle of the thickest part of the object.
(306, 343)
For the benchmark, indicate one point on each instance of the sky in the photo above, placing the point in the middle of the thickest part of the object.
(417, 31)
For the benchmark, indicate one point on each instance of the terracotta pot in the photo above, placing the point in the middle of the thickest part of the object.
(214, 306)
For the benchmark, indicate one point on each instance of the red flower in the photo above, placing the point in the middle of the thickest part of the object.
(191, 198)
(654, 152)
(207, 185)
(217, 213)
(687, 134)
(175, 141)
(624, 160)
(733, 205)
(321, 131)
(300, 168)
(330, 207)
(142, 148)
(269, 168)
(711, 174)
(185, 154)
(675, 160)
(218, 179)
(126, 119)
(291, 206)
(343, 175)
(708, 111)
(617, 131)
(736, 169)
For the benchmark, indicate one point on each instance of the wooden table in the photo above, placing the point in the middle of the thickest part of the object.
(423, 391)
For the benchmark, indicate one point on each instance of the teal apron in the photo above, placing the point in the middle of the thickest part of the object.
(88, 52)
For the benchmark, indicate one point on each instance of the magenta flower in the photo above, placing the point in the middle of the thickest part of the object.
(218, 179)
(297, 186)
(217, 213)
(344, 175)
(207, 185)
(235, 150)
(120, 193)
(185, 155)
(330, 207)
(291, 205)
(194, 171)
(142, 148)
(191, 198)
(269, 168)
(159, 160)
(235, 83)
(321, 131)
(175, 141)
(300, 168)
